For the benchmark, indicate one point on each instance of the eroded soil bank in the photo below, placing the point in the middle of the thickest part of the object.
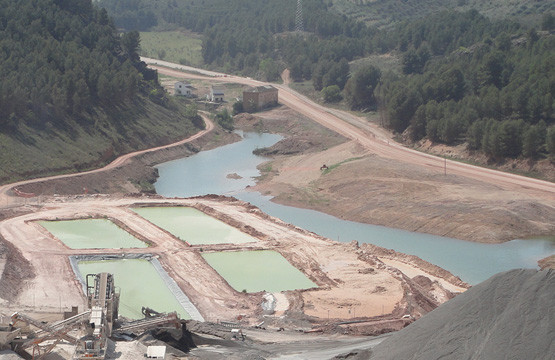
(359, 186)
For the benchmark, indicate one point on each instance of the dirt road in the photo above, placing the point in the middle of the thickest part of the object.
(345, 280)
(117, 162)
(373, 138)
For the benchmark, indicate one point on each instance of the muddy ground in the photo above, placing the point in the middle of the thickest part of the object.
(364, 187)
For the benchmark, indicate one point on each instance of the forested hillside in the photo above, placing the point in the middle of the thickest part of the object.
(388, 12)
(465, 77)
(73, 92)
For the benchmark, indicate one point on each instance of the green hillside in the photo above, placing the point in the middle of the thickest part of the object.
(473, 72)
(73, 92)
(387, 12)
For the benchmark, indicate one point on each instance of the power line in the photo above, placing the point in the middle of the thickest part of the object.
(299, 17)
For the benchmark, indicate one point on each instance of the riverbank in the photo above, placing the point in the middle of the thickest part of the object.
(357, 184)
(360, 186)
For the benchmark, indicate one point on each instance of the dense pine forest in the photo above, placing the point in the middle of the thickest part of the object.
(73, 91)
(488, 81)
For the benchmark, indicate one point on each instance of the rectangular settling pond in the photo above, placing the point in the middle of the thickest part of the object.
(140, 285)
(193, 226)
(255, 271)
(92, 234)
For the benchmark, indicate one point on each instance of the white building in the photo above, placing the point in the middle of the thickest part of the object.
(183, 89)
(216, 94)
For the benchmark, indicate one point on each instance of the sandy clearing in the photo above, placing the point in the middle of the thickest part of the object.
(336, 268)
(412, 271)
(301, 170)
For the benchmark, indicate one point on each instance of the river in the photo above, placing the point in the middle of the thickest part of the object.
(206, 173)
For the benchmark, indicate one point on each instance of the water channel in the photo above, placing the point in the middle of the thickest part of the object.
(206, 173)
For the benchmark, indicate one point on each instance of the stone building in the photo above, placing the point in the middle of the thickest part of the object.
(260, 97)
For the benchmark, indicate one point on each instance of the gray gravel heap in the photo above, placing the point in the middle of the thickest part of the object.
(508, 316)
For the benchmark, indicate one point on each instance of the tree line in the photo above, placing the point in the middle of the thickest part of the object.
(464, 76)
(64, 58)
(491, 85)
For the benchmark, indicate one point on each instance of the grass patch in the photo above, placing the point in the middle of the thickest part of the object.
(331, 167)
(175, 46)
(266, 170)
(384, 62)
(92, 143)
(530, 174)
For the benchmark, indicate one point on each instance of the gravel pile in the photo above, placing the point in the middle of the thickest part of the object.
(509, 316)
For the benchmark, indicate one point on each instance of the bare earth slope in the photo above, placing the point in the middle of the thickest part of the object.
(509, 316)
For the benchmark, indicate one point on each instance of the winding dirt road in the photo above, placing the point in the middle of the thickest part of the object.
(117, 162)
(372, 137)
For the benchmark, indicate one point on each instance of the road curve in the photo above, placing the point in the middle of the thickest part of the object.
(117, 162)
(373, 138)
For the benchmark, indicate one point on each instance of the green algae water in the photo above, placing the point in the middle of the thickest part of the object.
(92, 234)
(140, 285)
(193, 226)
(254, 271)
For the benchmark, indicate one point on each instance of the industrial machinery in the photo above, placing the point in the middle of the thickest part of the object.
(153, 319)
(52, 333)
(98, 322)
(103, 300)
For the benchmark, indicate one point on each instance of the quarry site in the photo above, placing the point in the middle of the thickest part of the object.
(358, 289)
(367, 290)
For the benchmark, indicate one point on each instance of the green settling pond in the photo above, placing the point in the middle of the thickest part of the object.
(193, 226)
(140, 285)
(258, 271)
(92, 234)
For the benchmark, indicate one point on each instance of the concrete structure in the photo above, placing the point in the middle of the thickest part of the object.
(216, 93)
(183, 89)
(260, 97)
(156, 352)
(7, 334)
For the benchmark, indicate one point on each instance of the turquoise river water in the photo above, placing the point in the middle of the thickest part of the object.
(206, 173)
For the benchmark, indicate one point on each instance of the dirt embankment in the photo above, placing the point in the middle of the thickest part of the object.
(360, 186)
(134, 177)
(353, 283)
(15, 270)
